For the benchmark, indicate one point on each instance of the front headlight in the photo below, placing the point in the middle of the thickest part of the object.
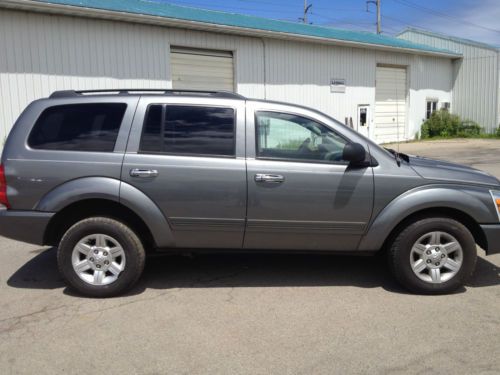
(495, 194)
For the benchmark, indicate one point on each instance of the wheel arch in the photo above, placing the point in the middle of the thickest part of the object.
(451, 213)
(468, 205)
(79, 210)
(90, 196)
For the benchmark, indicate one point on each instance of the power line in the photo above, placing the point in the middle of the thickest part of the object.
(251, 2)
(288, 11)
(385, 17)
(315, 7)
(443, 15)
(343, 21)
(358, 24)
(210, 5)
(279, 10)
(401, 22)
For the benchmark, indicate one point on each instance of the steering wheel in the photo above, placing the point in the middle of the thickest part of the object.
(333, 156)
(304, 147)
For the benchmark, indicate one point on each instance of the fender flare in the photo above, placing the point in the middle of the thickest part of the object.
(149, 212)
(465, 199)
(77, 190)
(114, 190)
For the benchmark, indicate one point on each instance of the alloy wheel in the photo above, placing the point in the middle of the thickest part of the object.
(98, 259)
(436, 257)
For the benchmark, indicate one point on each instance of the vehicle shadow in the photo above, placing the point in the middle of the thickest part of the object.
(246, 270)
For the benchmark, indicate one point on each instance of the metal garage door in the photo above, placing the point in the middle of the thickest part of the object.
(197, 69)
(390, 104)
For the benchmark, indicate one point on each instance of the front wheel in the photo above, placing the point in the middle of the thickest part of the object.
(100, 257)
(433, 256)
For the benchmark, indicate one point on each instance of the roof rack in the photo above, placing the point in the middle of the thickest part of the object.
(215, 94)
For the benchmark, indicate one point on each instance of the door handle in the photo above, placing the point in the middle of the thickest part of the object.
(269, 178)
(144, 173)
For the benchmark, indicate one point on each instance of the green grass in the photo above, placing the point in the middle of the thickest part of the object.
(477, 136)
(441, 138)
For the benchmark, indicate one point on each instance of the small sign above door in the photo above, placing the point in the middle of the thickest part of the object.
(337, 85)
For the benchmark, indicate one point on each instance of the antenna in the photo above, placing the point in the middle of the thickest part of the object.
(397, 110)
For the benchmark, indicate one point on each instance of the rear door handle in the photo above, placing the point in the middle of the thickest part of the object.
(144, 173)
(269, 178)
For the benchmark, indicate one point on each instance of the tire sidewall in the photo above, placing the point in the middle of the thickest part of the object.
(410, 236)
(133, 263)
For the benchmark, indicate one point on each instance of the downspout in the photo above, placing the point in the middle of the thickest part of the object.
(265, 65)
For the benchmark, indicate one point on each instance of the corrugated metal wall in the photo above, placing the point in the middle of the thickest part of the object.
(301, 72)
(476, 86)
(43, 53)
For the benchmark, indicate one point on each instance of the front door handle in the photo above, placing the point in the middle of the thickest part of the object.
(144, 173)
(269, 178)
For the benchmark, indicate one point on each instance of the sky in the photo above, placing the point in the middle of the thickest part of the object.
(472, 19)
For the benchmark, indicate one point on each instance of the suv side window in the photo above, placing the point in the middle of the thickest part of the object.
(291, 137)
(78, 127)
(189, 130)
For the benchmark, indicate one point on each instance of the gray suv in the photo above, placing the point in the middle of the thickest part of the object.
(109, 176)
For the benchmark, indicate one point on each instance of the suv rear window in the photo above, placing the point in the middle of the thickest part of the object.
(189, 130)
(78, 127)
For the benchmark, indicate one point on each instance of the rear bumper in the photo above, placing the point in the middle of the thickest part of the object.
(492, 233)
(25, 226)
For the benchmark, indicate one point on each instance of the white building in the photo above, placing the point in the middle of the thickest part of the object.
(476, 76)
(50, 45)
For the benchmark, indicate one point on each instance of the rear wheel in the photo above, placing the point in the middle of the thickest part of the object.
(101, 257)
(433, 256)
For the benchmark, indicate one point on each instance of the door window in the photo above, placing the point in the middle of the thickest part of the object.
(292, 137)
(189, 130)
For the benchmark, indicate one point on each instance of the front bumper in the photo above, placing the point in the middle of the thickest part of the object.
(492, 233)
(25, 226)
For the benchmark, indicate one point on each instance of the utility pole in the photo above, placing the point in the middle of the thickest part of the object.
(306, 9)
(379, 21)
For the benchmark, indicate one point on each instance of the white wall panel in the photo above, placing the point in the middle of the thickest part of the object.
(476, 94)
(43, 53)
(300, 73)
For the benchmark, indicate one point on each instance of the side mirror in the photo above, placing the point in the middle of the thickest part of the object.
(354, 153)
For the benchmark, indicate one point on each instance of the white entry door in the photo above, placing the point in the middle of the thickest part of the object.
(198, 69)
(390, 104)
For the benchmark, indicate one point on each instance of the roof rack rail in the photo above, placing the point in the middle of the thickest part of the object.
(76, 93)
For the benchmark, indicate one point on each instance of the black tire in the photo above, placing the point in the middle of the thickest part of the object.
(400, 250)
(129, 241)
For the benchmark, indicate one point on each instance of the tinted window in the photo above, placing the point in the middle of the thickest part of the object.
(189, 130)
(288, 136)
(78, 127)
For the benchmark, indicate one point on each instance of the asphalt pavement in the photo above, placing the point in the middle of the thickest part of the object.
(253, 313)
